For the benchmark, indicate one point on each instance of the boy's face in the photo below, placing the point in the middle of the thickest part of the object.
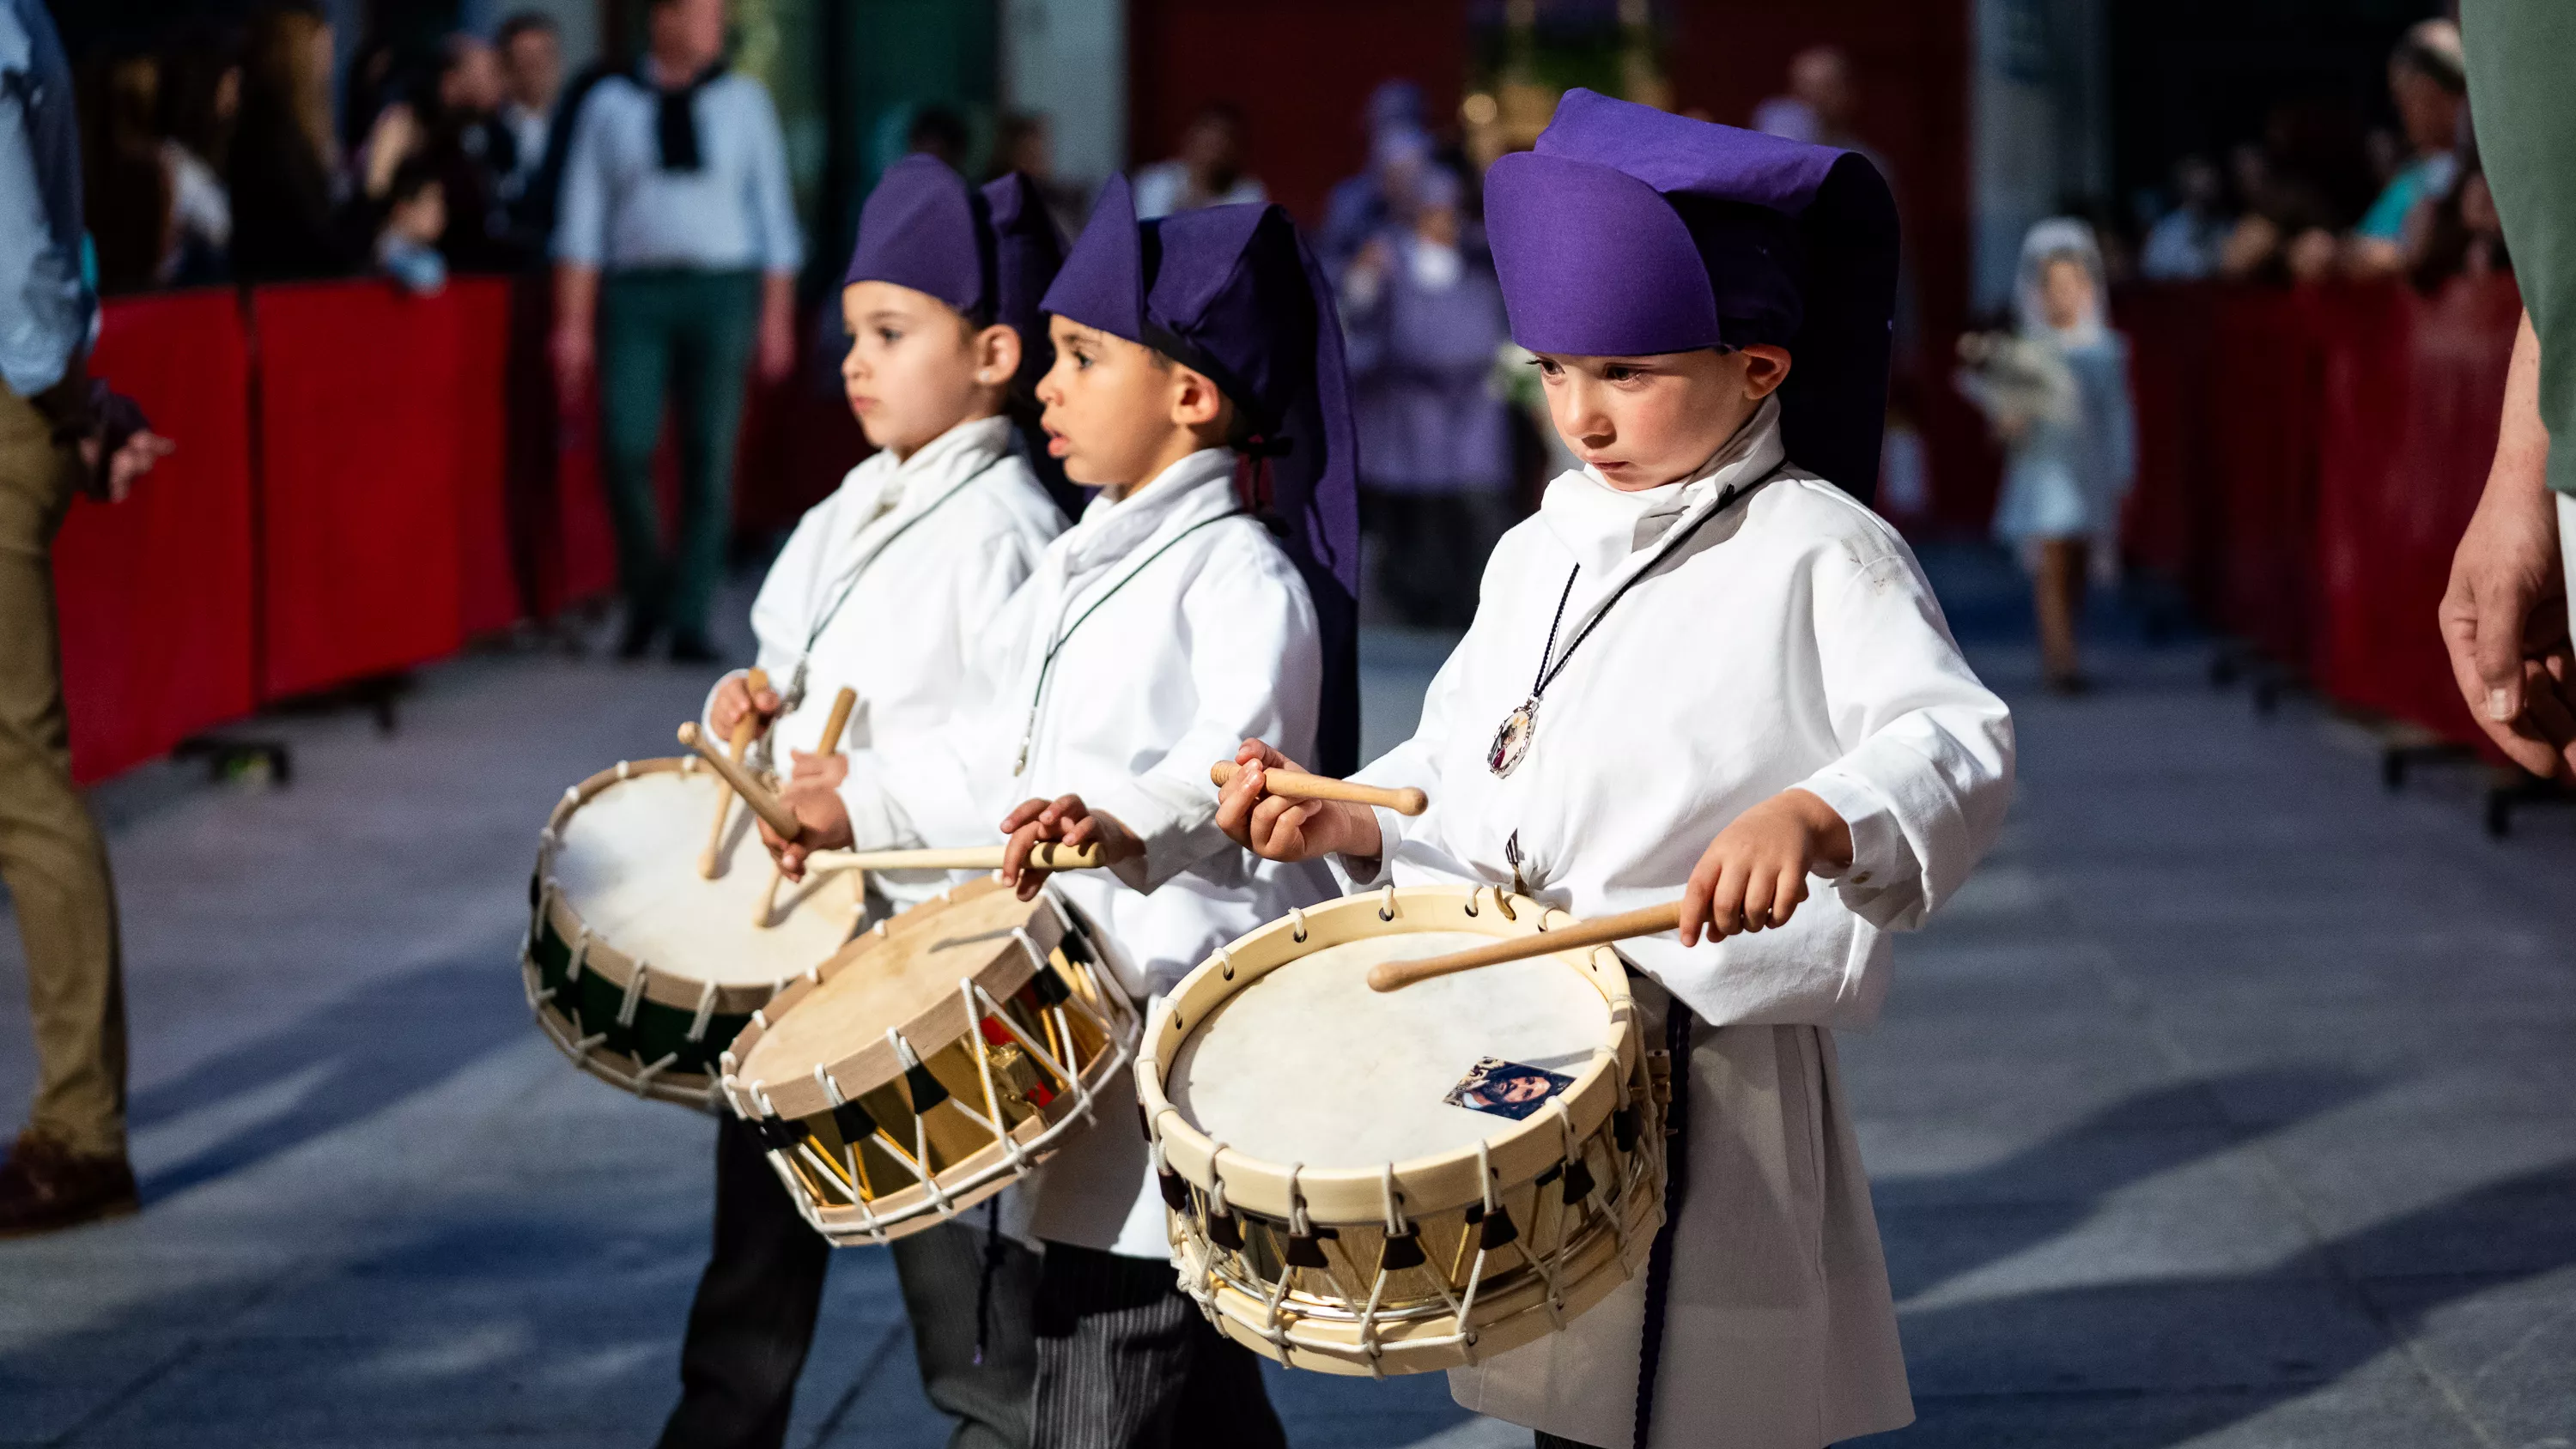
(1642, 422)
(912, 370)
(1115, 413)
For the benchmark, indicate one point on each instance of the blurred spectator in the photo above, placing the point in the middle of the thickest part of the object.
(678, 240)
(1025, 142)
(472, 153)
(127, 189)
(2303, 189)
(60, 432)
(1424, 318)
(1208, 172)
(938, 130)
(531, 75)
(2183, 244)
(407, 250)
(1399, 146)
(2461, 234)
(200, 100)
(2057, 393)
(2428, 81)
(294, 215)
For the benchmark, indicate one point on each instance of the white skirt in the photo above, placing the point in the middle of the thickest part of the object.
(1779, 1331)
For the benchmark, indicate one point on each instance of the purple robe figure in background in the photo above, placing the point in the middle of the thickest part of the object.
(1424, 320)
(1400, 148)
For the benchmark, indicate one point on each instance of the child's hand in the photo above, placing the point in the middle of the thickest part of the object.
(1755, 873)
(825, 770)
(733, 699)
(1277, 828)
(1064, 819)
(825, 819)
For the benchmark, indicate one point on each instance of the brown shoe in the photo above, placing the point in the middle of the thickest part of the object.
(45, 1185)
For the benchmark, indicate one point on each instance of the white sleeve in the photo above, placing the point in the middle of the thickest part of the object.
(1416, 762)
(1254, 658)
(773, 204)
(581, 219)
(1927, 768)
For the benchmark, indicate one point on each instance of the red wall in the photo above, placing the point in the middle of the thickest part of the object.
(1299, 69)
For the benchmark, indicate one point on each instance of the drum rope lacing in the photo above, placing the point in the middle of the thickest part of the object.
(921, 1132)
(1002, 1134)
(850, 1152)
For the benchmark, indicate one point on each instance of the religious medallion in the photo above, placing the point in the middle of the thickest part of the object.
(1513, 740)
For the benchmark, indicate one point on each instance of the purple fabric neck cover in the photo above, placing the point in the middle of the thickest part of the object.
(1233, 292)
(1630, 231)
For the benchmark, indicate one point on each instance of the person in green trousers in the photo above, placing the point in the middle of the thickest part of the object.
(675, 251)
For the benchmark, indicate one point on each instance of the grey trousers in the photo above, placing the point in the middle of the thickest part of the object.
(753, 1320)
(1125, 1361)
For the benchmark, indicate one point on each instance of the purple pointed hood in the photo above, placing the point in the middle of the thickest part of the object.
(1631, 231)
(1234, 293)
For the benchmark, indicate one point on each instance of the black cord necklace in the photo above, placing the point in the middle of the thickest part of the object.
(1512, 738)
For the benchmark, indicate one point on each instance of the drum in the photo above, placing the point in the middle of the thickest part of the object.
(933, 1062)
(1380, 1183)
(637, 966)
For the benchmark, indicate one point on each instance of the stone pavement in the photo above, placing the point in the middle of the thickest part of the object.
(2233, 1103)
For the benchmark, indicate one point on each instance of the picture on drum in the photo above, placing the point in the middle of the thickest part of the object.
(1506, 1089)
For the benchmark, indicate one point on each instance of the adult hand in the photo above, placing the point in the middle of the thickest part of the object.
(2504, 614)
(391, 141)
(1064, 819)
(1275, 827)
(1755, 873)
(130, 461)
(776, 357)
(574, 356)
(827, 770)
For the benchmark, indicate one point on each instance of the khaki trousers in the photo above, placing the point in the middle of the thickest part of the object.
(51, 856)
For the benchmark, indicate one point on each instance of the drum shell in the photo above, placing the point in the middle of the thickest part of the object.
(941, 1035)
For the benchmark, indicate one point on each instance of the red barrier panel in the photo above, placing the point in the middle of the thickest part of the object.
(487, 585)
(155, 592)
(2171, 512)
(359, 573)
(2414, 389)
(2266, 366)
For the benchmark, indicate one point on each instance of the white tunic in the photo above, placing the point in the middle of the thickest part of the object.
(886, 587)
(1787, 640)
(1179, 629)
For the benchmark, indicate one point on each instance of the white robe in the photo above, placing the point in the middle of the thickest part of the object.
(1178, 657)
(1790, 640)
(920, 556)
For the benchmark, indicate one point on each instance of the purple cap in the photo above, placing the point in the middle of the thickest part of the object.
(1631, 231)
(1233, 292)
(988, 254)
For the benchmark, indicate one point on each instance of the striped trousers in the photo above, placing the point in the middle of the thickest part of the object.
(1126, 1361)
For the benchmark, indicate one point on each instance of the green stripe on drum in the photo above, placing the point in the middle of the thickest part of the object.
(593, 1001)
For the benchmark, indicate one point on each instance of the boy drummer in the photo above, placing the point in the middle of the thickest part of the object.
(882, 588)
(1709, 310)
(1205, 594)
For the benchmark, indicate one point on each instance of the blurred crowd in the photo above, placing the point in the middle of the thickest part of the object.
(2319, 195)
(223, 156)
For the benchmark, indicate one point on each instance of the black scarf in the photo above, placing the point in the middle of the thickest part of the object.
(675, 119)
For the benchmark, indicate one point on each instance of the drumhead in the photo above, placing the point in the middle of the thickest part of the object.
(1308, 1065)
(627, 864)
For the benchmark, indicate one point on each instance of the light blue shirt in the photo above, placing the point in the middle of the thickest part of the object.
(622, 210)
(45, 306)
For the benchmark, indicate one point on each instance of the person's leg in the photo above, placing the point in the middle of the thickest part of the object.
(972, 1294)
(637, 316)
(753, 1318)
(711, 379)
(55, 865)
(2055, 594)
(1126, 1362)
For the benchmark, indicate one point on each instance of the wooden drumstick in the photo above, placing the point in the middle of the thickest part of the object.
(1298, 785)
(1599, 931)
(1045, 855)
(753, 793)
(833, 724)
(757, 680)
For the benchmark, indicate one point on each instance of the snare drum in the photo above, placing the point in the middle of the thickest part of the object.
(1329, 1207)
(935, 1061)
(637, 966)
